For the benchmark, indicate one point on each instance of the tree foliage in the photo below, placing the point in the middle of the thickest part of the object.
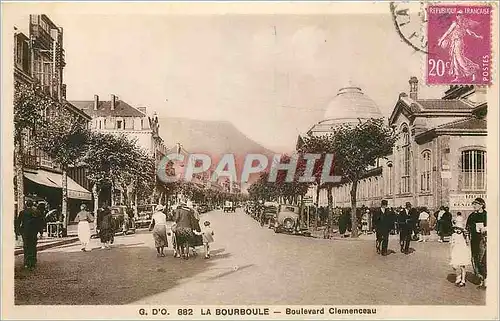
(356, 148)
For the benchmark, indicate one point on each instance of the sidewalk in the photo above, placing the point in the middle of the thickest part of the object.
(46, 243)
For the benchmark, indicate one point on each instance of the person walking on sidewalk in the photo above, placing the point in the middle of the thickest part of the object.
(424, 224)
(383, 222)
(106, 228)
(476, 227)
(84, 218)
(29, 225)
(406, 227)
(460, 255)
(159, 228)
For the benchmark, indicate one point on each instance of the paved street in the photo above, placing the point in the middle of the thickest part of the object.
(250, 265)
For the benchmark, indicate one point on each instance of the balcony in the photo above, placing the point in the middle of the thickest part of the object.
(37, 162)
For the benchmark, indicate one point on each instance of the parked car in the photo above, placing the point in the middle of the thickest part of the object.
(288, 221)
(122, 220)
(202, 208)
(229, 207)
(144, 215)
(269, 212)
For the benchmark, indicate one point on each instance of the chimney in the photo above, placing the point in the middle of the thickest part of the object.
(96, 102)
(113, 102)
(413, 88)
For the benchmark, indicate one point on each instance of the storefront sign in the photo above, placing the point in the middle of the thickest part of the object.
(79, 195)
(463, 201)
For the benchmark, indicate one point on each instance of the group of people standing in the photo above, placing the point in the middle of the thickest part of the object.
(468, 237)
(186, 231)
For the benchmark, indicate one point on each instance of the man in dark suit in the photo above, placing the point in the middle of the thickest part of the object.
(406, 224)
(383, 221)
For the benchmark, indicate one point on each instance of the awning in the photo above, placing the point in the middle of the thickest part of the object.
(49, 179)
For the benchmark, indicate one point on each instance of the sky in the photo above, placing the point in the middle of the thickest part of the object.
(272, 76)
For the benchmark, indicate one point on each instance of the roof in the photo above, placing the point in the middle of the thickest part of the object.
(444, 104)
(122, 109)
(466, 124)
(351, 103)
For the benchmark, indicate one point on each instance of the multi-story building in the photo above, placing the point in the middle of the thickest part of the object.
(439, 159)
(117, 117)
(39, 60)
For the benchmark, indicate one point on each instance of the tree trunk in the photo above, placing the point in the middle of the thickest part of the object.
(354, 216)
(316, 213)
(135, 206)
(330, 210)
(112, 193)
(95, 192)
(64, 207)
(18, 164)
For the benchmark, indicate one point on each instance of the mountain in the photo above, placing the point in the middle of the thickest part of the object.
(214, 138)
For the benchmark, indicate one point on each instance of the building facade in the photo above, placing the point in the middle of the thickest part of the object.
(39, 60)
(439, 158)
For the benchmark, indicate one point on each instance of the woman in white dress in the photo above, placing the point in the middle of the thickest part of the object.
(159, 228)
(84, 218)
(459, 250)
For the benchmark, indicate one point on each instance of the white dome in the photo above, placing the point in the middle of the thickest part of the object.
(349, 105)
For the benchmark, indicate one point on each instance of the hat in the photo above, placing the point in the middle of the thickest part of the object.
(159, 208)
(479, 201)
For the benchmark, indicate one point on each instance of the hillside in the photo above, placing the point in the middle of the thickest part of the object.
(214, 138)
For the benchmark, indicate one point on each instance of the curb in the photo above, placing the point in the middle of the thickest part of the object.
(42, 247)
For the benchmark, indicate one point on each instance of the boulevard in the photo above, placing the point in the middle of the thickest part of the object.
(249, 265)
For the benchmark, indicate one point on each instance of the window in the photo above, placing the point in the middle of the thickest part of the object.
(405, 161)
(425, 177)
(19, 51)
(473, 170)
(142, 123)
(119, 124)
(100, 124)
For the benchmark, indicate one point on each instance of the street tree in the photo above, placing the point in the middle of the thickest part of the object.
(107, 160)
(64, 139)
(356, 148)
(320, 145)
(29, 106)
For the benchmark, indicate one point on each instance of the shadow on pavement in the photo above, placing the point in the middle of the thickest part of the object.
(469, 277)
(121, 275)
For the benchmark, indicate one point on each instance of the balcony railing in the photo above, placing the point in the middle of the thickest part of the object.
(37, 161)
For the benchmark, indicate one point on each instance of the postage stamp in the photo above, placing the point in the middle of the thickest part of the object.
(459, 44)
(249, 160)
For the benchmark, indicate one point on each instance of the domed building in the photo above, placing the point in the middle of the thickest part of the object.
(350, 105)
(438, 160)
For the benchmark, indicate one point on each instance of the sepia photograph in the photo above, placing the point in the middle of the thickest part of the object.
(232, 160)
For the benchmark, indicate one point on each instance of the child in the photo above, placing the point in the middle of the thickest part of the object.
(208, 237)
(459, 250)
(364, 222)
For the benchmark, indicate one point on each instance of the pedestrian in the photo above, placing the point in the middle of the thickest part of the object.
(424, 224)
(460, 255)
(84, 218)
(446, 224)
(185, 224)
(476, 227)
(42, 210)
(159, 227)
(383, 223)
(364, 222)
(208, 237)
(406, 226)
(106, 228)
(29, 224)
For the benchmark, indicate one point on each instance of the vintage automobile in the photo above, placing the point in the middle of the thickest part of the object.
(269, 212)
(229, 207)
(122, 220)
(144, 215)
(287, 221)
(202, 208)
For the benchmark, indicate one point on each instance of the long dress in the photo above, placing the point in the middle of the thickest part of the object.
(160, 229)
(106, 230)
(84, 218)
(460, 252)
(461, 66)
